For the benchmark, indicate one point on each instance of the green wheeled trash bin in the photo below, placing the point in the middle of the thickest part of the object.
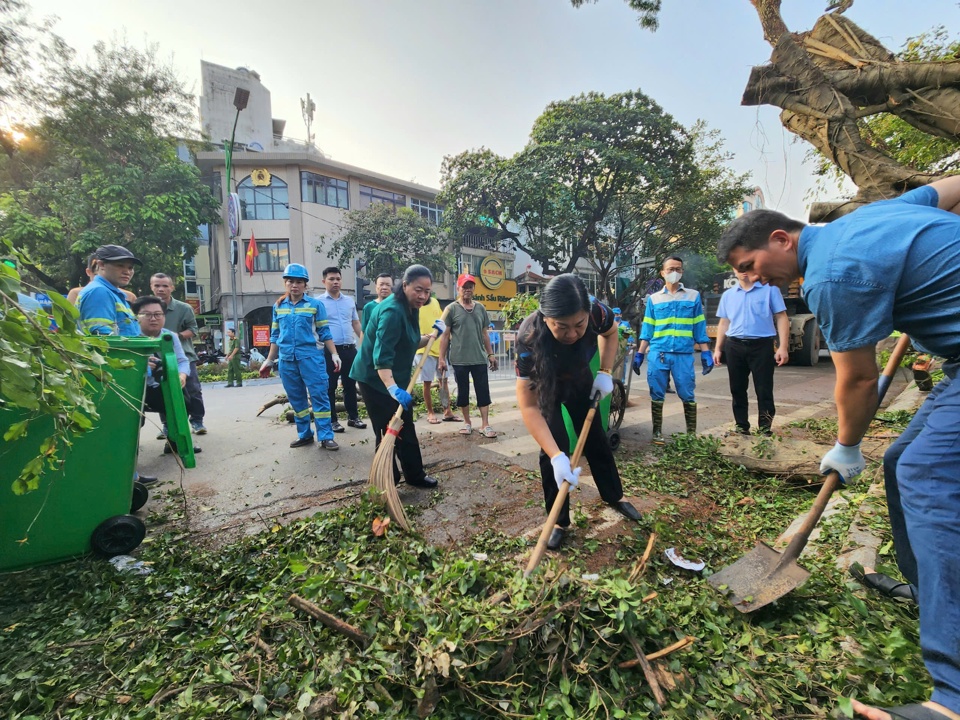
(85, 504)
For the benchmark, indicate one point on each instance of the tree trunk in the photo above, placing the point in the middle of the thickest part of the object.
(826, 80)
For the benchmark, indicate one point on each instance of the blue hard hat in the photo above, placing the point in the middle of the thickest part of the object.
(616, 311)
(296, 271)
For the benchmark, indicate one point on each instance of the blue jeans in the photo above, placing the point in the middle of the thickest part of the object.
(926, 503)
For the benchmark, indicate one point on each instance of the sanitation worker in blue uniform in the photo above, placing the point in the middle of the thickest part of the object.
(103, 305)
(890, 265)
(673, 328)
(299, 326)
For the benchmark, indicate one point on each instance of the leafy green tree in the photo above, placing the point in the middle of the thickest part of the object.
(611, 179)
(390, 240)
(100, 166)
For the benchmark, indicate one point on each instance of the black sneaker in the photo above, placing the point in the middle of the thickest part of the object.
(742, 430)
(329, 445)
(357, 423)
(337, 427)
(627, 510)
(302, 442)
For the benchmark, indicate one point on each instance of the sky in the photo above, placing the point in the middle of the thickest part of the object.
(399, 84)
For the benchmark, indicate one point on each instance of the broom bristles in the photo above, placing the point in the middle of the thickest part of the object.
(381, 474)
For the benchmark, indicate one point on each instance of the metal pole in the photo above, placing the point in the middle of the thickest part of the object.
(233, 266)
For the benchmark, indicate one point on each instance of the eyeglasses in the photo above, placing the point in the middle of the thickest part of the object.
(151, 316)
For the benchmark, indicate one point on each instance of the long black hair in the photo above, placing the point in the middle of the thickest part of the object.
(563, 296)
(414, 272)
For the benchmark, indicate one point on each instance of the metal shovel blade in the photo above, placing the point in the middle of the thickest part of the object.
(758, 578)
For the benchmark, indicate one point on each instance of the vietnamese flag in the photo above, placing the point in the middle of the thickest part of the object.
(252, 253)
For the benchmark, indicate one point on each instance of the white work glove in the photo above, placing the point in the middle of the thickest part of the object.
(845, 459)
(336, 363)
(602, 384)
(440, 326)
(562, 470)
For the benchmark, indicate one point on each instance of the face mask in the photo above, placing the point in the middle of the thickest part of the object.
(673, 277)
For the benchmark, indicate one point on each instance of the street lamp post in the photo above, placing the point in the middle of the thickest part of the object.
(240, 99)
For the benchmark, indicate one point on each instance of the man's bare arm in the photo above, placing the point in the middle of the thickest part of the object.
(855, 392)
(948, 191)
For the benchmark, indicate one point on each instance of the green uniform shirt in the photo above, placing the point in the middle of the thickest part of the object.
(180, 317)
(468, 335)
(390, 340)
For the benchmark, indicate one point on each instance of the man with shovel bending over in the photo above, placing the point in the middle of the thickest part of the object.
(891, 265)
(555, 345)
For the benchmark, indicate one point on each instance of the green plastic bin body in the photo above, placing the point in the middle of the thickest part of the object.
(94, 482)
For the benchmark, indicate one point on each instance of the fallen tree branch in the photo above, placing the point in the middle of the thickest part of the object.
(332, 622)
(679, 645)
(648, 673)
(642, 565)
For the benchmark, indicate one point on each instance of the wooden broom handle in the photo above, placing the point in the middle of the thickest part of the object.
(538, 551)
(423, 359)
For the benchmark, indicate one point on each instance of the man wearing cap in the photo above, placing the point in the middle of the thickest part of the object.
(466, 342)
(103, 307)
(181, 320)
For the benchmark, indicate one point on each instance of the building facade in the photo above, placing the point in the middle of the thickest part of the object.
(292, 202)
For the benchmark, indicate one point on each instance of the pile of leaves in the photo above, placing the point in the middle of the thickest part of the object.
(211, 633)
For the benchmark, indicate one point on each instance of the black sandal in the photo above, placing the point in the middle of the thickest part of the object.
(883, 584)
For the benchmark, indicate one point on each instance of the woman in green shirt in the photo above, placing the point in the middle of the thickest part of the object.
(385, 363)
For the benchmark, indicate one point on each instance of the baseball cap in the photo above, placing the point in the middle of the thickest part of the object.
(464, 279)
(115, 253)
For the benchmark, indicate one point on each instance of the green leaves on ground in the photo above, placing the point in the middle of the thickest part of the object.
(182, 642)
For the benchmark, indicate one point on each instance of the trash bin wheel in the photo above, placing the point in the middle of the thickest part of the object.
(118, 535)
(618, 405)
(614, 437)
(140, 496)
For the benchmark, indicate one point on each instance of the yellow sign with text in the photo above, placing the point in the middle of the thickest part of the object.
(496, 299)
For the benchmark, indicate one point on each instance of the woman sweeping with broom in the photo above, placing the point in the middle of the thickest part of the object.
(384, 365)
(554, 347)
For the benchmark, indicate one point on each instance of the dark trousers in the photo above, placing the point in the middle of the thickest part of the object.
(193, 394)
(481, 384)
(743, 358)
(347, 353)
(380, 408)
(596, 450)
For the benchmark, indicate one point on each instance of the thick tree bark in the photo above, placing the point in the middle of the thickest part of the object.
(827, 79)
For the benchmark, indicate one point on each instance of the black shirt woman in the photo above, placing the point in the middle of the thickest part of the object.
(555, 345)
(384, 366)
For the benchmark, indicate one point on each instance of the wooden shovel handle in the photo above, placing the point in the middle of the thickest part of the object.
(891, 368)
(541, 547)
(832, 482)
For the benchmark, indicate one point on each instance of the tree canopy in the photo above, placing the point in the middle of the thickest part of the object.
(100, 165)
(390, 240)
(613, 180)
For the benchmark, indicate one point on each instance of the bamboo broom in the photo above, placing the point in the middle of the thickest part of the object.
(381, 471)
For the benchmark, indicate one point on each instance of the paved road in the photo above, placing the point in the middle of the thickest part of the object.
(247, 474)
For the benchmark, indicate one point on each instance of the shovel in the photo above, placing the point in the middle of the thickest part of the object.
(763, 574)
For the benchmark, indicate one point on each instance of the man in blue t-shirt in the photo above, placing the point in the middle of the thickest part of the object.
(751, 316)
(890, 265)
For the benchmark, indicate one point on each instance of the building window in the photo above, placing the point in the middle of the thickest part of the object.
(429, 210)
(371, 196)
(747, 207)
(267, 202)
(190, 268)
(190, 287)
(324, 190)
(273, 255)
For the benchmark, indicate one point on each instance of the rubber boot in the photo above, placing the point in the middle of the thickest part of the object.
(690, 415)
(656, 411)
